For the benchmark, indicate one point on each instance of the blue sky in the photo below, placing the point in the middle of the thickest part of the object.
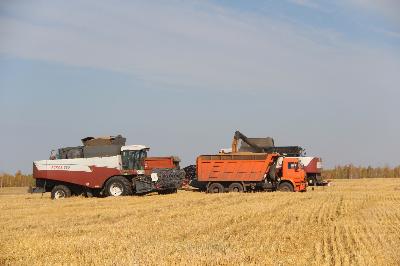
(182, 76)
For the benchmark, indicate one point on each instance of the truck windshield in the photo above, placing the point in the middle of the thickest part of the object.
(133, 160)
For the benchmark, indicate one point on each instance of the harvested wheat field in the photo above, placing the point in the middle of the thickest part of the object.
(353, 222)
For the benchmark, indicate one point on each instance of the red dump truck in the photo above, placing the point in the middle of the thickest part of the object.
(248, 172)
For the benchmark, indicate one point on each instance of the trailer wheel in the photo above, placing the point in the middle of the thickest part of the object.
(235, 187)
(118, 186)
(216, 188)
(285, 187)
(60, 192)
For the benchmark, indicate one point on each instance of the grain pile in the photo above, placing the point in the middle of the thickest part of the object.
(353, 222)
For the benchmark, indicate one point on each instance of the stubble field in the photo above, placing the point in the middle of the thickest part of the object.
(353, 222)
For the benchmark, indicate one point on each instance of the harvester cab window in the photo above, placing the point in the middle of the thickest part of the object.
(125, 160)
(140, 160)
(128, 160)
(137, 160)
(133, 160)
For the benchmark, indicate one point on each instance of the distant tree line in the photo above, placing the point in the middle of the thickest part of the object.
(353, 172)
(16, 180)
(339, 172)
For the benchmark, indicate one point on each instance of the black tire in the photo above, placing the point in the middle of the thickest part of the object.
(272, 172)
(89, 193)
(235, 187)
(118, 186)
(172, 191)
(312, 180)
(215, 188)
(168, 191)
(60, 192)
(285, 187)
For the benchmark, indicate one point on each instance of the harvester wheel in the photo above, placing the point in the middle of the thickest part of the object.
(216, 188)
(285, 187)
(118, 186)
(235, 187)
(60, 192)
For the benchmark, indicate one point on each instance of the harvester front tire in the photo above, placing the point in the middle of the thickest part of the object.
(118, 186)
(285, 187)
(60, 192)
(216, 188)
(235, 187)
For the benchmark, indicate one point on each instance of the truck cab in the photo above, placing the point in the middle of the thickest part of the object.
(292, 171)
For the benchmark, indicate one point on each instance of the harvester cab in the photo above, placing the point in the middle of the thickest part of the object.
(133, 158)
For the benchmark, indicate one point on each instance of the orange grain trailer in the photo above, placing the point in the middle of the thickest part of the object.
(248, 172)
(170, 162)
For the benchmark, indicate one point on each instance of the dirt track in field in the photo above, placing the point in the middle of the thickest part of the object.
(353, 222)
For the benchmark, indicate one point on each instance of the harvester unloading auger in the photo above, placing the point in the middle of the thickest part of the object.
(263, 145)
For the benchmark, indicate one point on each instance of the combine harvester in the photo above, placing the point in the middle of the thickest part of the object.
(106, 167)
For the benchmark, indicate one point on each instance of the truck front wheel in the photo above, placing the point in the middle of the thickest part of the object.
(285, 187)
(118, 186)
(60, 192)
(216, 188)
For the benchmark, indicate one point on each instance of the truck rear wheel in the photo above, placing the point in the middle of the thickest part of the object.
(60, 192)
(118, 186)
(216, 188)
(235, 187)
(285, 187)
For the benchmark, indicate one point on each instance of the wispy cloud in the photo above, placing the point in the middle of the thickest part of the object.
(310, 83)
(390, 9)
(305, 3)
(388, 33)
(191, 45)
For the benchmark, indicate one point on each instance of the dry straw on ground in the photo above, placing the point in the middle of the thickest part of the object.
(354, 222)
